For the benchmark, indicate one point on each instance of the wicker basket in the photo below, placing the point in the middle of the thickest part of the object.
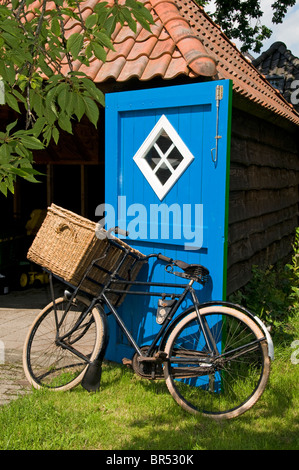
(66, 244)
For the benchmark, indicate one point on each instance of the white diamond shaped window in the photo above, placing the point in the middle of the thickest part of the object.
(163, 157)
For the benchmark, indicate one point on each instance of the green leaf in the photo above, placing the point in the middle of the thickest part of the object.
(44, 67)
(32, 142)
(11, 126)
(26, 173)
(105, 40)
(110, 25)
(131, 23)
(91, 20)
(10, 179)
(55, 135)
(38, 126)
(63, 96)
(78, 106)
(15, 3)
(65, 123)
(23, 152)
(5, 152)
(93, 90)
(36, 102)
(55, 27)
(99, 51)
(11, 27)
(142, 21)
(11, 75)
(47, 134)
(50, 114)
(19, 96)
(75, 44)
(92, 110)
(88, 54)
(3, 188)
(51, 94)
(12, 102)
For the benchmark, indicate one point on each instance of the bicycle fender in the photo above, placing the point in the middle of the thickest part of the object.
(103, 316)
(92, 377)
(269, 339)
(255, 318)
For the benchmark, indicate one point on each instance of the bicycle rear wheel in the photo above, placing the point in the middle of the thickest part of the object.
(48, 363)
(221, 385)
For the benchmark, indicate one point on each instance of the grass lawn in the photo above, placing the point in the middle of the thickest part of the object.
(130, 413)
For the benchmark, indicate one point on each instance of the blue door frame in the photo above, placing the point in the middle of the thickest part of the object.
(197, 114)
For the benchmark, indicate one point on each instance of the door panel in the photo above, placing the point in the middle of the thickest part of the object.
(190, 221)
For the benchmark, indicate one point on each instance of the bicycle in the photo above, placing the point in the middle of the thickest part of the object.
(214, 357)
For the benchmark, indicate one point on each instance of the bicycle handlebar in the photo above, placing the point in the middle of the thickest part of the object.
(159, 256)
(164, 258)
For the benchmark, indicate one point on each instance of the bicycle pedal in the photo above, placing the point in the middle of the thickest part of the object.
(127, 362)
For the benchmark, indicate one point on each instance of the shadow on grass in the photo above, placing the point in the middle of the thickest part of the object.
(268, 425)
(130, 413)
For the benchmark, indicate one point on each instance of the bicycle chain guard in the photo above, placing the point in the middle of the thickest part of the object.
(148, 369)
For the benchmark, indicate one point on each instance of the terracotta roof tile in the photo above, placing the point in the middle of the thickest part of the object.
(142, 48)
(183, 41)
(133, 68)
(122, 50)
(177, 67)
(247, 81)
(156, 67)
(109, 70)
(162, 47)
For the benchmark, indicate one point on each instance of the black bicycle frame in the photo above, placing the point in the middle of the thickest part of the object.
(108, 289)
(187, 288)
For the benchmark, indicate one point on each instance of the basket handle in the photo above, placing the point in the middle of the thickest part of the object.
(66, 226)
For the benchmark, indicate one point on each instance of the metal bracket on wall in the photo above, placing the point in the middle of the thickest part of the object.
(218, 98)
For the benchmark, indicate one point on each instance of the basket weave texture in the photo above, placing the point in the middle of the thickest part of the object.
(66, 244)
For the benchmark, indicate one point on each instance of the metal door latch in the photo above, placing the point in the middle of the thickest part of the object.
(218, 98)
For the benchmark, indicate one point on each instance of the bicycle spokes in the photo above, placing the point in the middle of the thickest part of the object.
(57, 358)
(215, 382)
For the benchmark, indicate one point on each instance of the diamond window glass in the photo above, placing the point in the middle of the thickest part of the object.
(163, 157)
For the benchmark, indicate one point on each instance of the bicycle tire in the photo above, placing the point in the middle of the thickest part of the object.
(217, 390)
(45, 363)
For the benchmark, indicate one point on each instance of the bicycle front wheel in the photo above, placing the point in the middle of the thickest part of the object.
(61, 365)
(224, 383)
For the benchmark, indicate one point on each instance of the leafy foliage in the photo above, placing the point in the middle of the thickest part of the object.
(38, 66)
(273, 292)
(241, 20)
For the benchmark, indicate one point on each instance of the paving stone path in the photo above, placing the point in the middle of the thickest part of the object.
(17, 312)
(13, 383)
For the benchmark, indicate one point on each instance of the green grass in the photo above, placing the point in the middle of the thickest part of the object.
(130, 413)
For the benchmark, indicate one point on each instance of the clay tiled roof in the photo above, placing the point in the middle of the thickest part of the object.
(183, 41)
(169, 50)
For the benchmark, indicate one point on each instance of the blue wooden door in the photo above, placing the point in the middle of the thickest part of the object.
(167, 165)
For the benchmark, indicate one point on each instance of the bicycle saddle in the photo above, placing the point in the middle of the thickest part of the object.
(195, 272)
